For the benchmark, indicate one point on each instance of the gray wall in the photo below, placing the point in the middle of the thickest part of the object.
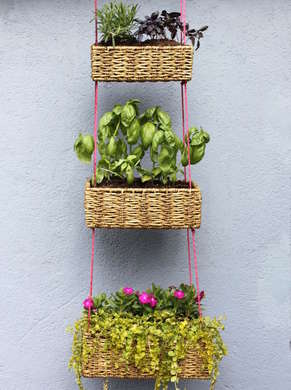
(241, 93)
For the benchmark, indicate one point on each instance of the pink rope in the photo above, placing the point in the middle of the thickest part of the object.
(95, 131)
(189, 259)
(184, 21)
(183, 123)
(94, 166)
(196, 273)
(91, 273)
(188, 135)
(185, 116)
(96, 21)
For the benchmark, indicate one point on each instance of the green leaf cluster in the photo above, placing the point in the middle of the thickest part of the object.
(116, 21)
(120, 302)
(154, 343)
(125, 136)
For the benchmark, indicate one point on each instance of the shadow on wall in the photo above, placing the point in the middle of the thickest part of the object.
(116, 384)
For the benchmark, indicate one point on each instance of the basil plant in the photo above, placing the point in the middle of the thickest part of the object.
(124, 138)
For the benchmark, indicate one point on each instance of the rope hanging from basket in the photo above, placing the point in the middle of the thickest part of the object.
(185, 128)
(94, 170)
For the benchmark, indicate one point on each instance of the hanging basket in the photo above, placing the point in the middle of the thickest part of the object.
(142, 208)
(142, 63)
(103, 364)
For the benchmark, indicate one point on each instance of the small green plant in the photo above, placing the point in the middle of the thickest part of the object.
(116, 21)
(124, 138)
(152, 330)
(118, 24)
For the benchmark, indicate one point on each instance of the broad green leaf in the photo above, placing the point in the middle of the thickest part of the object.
(150, 112)
(104, 132)
(157, 139)
(117, 109)
(131, 157)
(84, 147)
(145, 178)
(164, 118)
(112, 147)
(129, 175)
(99, 175)
(106, 119)
(147, 134)
(133, 132)
(170, 138)
(165, 159)
(138, 152)
(127, 115)
(184, 158)
(197, 153)
(156, 171)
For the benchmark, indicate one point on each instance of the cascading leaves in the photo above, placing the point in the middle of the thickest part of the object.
(152, 330)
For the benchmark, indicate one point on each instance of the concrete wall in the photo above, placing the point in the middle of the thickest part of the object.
(240, 93)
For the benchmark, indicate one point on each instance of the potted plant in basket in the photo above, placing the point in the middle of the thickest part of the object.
(126, 191)
(148, 49)
(156, 333)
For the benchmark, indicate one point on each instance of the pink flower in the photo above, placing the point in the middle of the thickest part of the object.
(128, 290)
(201, 296)
(153, 301)
(179, 294)
(88, 303)
(144, 298)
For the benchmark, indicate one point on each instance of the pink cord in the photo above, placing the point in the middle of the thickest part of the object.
(95, 131)
(91, 274)
(184, 20)
(96, 21)
(189, 259)
(185, 114)
(188, 135)
(196, 273)
(94, 166)
(183, 123)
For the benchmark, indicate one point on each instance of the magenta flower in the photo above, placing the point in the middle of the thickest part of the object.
(179, 294)
(153, 301)
(88, 303)
(144, 298)
(128, 290)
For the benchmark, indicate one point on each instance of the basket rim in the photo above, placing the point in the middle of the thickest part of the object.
(147, 47)
(88, 187)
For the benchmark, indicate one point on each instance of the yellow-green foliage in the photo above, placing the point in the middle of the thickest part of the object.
(155, 343)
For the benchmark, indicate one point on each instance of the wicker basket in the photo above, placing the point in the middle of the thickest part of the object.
(142, 208)
(141, 63)
(102, 364)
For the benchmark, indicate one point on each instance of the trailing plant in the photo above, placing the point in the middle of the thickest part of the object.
(124, 138)
(167, 25)
(149, 331)
(116, 22)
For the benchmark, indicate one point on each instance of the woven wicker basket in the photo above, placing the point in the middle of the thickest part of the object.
(102, 364)
(141, 63)
(142, 208)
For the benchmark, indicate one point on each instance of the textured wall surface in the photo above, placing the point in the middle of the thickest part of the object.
(241, 94)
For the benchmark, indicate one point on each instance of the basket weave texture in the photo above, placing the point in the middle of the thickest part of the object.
(142, 208)
(141, 63)
(102, 364)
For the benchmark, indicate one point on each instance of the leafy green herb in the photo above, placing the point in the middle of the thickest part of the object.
(125, 137)
(116, 21)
